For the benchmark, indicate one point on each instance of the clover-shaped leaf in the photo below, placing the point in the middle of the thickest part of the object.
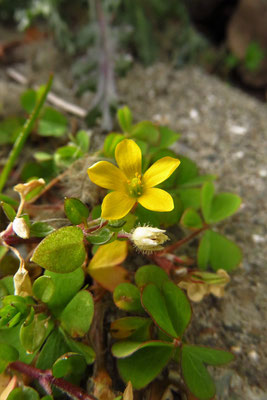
(194, 372)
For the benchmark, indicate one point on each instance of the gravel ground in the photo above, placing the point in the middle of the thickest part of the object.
(224, 131)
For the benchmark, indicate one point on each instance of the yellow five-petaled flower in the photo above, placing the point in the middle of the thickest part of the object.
(129, 185)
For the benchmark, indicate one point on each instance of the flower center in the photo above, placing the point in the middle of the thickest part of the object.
(135, 186)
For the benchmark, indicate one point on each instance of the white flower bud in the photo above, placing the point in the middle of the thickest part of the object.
(21, 228)
(148, 239)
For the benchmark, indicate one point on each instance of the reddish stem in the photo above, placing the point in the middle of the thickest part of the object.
(46, 377)
(176, 245)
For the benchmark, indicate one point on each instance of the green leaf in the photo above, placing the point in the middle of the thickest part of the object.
(33, 335)
(66, 286)
(167, 137)
(172, 217)
(8, 200)
(186, 171)
(43, 288)
(52, 123)
(40, 229)
(9, 211)
(127, 297)
(194, 372)
(207, 195)
(9, 130)
(28, 100)
(7, 354)
(24, 393)
(219, 251)
(146, 131)
(82, 139)
(53, 348)
(75, 210)
(78, 347)
(76, 318)
(178, 307)
(198, 180)
(102, 236)
(61, 251)
(111, 142)
(66, 155)
(155, 305)
(133, 328)
(203, 253)
(145, 364)
(69, 363)
(191, 219)
(217, 207)
(11, 336)
(224, 253)
(125, 119)
(223, 206)
(190, 197)
(150, 274)
(147, 217)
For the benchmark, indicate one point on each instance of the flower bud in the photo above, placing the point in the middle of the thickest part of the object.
(148, 239)
(21, 228)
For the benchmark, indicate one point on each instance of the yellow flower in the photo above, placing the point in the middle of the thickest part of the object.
(129, 185)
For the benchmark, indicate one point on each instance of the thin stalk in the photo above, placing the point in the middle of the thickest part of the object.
(21, 139)
(46, 379)
(176, 245)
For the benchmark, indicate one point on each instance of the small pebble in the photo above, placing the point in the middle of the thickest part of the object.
(258, 238)
(236, 349)
(253, 355)
(239, 154)
(238, 129)
(194, 114)
(263, 173)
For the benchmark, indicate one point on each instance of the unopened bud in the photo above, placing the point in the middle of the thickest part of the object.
(148, 239)
(21, 228)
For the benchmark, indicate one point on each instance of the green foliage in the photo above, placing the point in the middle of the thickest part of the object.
(61, 251)
(76, 211)
(50, 321)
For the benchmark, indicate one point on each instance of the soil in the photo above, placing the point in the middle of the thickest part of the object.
(224, 131)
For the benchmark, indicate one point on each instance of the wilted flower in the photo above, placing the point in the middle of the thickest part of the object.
(201, 284)
(21, 228)
(22, 283)
(148, 239)
(25, 188)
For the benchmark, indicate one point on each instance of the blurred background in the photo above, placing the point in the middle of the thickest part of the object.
(102, 40)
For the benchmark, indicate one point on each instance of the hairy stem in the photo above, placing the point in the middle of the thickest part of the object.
(46, 378)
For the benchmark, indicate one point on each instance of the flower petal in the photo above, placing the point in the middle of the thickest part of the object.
(116, 205)
(156, 200)
(160, 171)
(110, 277)
(107, 175)
(109, 255)
(129, 157)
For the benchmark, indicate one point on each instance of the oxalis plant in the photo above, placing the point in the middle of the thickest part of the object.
(113, 285)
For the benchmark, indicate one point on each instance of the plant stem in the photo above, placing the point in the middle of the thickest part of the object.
(46, 377)
(180, 243)
(19, 143)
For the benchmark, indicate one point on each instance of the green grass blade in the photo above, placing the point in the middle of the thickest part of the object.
(22, 137)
